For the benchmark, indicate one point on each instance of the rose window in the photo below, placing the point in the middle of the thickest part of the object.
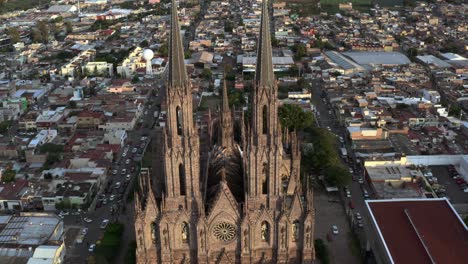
(224, 231)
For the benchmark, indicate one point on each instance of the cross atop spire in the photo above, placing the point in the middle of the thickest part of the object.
(177, 70)
(264, 68)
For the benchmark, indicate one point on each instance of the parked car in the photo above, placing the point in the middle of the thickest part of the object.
(127, 178)
(124, 171)
(104, 202)
(117, 185)
(104, 223)
(358, 216)
(92, 247)
(335, 230)
(127, 161)
(112, 197)
(360, 224)
(365, 193)
(88, 220)
(84, 231)
(347, 192)
(134, 150)
(360, 180)
(114, 172)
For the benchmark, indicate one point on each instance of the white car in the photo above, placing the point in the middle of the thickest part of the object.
(88, 220)
(127, 161)
(84, 231)
(104, 223)
(92, 247)
(335, 230)
(124, 171)
(112, 197)
(358, 216)
(465, 190)
(114, 172)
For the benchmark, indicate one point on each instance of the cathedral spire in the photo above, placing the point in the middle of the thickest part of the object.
(177, 70)
(225, 97)
(264, 68)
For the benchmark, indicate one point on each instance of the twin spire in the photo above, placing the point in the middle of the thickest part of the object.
(264, 69)
(177, 70)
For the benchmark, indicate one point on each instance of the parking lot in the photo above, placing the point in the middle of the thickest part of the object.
(453, 191)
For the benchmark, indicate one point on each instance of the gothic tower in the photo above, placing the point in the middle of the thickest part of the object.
(226, 135)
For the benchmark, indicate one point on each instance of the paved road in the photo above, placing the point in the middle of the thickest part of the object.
(327, 118)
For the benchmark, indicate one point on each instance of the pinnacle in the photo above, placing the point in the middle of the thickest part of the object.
(264, 68)
(177, 70)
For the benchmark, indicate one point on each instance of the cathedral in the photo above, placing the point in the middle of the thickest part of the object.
(237, 198)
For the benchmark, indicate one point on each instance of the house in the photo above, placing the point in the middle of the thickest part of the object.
(48, 254)
(115, 137)
(89, 120)
(98, 68)
(10, 195)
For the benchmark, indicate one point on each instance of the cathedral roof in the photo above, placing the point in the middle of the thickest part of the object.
(264, 68)
(177, 70)
(225, 165)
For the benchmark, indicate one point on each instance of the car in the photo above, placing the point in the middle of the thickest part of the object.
(360, 180)
(347, 192)
(92, 247)
(335, 230)
(360, 224)
(112, 197)
(351, 205)
(460, 181)
(127, 178)
(117, 185)
(127, 161)
(351, 170)
(143, 138)
(456, 177)
(84, 231)
(358, 216)
(104, 224)
(124, 171)
(88, 220)
(134, 150)
(124, 154)
(365, 193)
(104, 202)
(465, 190)
(64, 213)
(114, 172)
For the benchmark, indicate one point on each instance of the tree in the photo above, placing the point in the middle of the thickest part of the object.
(206, 74)
(8, 175)
(43, 28)
(337, 175)
(144, 43)
(4, 126)
(36, 36)
(72, 104)
(135, 79)
(294, 70)
(163, 50)
(50, 148)
(322, 251)
(68, 27)
(300, 51)
(274, 41)
(13, 34)
(294, 118)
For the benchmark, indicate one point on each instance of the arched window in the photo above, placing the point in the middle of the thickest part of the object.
(265, 179)
(295, 230)
(185, 232)
(265, 232)
(265, 119)
(153, 231)
(179, 121)
(182, 186)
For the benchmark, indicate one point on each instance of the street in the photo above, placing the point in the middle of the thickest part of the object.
(325, 118)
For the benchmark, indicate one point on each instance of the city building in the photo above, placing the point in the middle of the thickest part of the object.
(417, 231)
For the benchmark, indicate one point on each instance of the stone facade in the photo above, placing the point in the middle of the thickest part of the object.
(242, 200)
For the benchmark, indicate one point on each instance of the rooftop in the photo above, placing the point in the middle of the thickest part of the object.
(420, 230)
(29, 230)
(378, 58)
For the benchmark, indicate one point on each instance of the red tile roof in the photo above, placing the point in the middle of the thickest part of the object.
(10, 191)
(439, 227)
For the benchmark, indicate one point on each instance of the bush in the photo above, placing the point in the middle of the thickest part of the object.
(322, 251)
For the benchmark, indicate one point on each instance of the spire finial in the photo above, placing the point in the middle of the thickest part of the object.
(264, 68)
(177, 70)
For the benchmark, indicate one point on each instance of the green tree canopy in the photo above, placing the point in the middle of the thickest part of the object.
(8, 175)
(206, 74)
(51, 148)
(13, 34)
(337, 175)
(294, 118)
